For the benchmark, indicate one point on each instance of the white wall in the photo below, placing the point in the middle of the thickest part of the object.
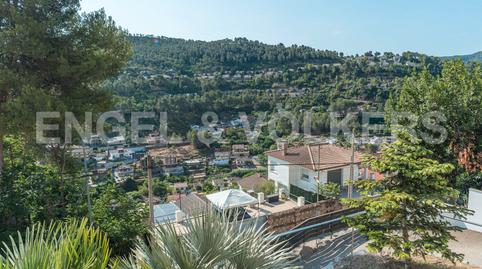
(473, 222)
(475, 204)
(281, 173)
(292, 174)
(346, 173)
(297, 179)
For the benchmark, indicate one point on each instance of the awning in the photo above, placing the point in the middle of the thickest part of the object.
(231, 199)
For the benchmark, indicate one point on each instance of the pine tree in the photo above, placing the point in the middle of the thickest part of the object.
(404, 215)
(52, 58)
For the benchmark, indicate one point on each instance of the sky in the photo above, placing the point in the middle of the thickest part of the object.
(434, 27)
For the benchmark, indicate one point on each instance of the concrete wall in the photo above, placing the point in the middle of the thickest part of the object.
(475, 204)
(473, 222)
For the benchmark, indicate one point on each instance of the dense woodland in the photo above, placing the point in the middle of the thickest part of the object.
(187, 78)
(164, 66)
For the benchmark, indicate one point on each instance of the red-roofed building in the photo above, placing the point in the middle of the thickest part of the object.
(299, 167)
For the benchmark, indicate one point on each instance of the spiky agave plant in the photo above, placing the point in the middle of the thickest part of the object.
(209, 241)
(71, 245)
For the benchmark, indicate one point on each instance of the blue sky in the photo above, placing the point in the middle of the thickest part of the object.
(435, 27)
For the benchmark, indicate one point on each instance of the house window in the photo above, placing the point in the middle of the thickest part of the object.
(305, 177)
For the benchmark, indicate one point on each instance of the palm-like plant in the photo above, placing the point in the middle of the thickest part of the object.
(209, 241)
(72, 245)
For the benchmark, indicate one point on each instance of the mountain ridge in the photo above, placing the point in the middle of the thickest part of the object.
(474, 57)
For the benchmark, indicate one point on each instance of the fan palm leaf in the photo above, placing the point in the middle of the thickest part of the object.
(72, 245)
(209, 241)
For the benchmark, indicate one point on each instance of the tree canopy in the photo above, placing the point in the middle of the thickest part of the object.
(456, 94)
(403, 211)
(52, 58)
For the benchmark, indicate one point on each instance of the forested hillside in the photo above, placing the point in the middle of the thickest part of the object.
(162, 66)
(226, 76)
(189, 56)
(474, 57)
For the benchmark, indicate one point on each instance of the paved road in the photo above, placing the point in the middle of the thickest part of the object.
(468, 243)
(332, 251)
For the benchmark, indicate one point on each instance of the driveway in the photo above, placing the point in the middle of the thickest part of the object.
(468, 243)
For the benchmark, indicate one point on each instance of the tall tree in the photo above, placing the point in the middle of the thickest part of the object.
(121, 218)
(457, 95)
(405, 216)
(53, 59)
(31, 191)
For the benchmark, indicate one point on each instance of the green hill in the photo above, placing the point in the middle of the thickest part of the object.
(474, 57)
(192, 56)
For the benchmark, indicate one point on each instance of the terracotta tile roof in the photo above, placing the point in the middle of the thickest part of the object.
(175, 197)
(330, 156)
(180, 185)
(248, 183)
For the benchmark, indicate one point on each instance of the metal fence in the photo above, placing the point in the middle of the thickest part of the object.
(317, 226)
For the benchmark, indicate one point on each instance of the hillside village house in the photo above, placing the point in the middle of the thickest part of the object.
(296, 169)
(171, 166)
(239, 150)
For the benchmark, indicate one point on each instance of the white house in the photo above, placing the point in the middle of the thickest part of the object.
(119, 154)
(117, 140)
(221, 158)
(122, 172)
(171, 167)
(300, 166)
(80, 152)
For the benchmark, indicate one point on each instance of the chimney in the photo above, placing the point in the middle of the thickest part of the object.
(283, 145)
(260, 197)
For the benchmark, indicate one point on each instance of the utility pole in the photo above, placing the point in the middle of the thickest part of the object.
(149, 187)
(319, 179)
(87, 187)
(352, 161)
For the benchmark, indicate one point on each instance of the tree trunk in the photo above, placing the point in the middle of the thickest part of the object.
(62, 180)
(1, 153)
(406, 239)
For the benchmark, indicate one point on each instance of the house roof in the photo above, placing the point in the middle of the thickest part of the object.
(192, 204)
(218, 181)
(239, 147)
(316, 157)
(165, 212)
(248, 183)
(180, 185)
(231, 199)
(175, 197)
